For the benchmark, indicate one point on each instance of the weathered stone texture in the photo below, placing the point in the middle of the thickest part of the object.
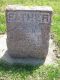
(28, 31)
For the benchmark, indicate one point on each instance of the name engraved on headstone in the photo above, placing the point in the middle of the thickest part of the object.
(27, 17)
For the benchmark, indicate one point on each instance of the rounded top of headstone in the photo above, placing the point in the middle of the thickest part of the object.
(35, 8)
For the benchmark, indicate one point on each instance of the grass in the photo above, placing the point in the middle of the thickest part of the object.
(56, 28)
(29, 72)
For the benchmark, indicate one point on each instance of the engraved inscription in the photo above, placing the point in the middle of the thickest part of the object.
(45, 18)
(28, 17)
(11, 17)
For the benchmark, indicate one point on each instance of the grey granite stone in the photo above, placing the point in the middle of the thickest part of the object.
(28, 31)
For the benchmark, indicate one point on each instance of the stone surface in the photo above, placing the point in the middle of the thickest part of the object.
(28, 31)
(50, 58)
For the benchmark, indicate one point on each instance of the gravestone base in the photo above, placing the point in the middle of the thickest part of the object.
(15, 54)
(4, 55)
(31, 61)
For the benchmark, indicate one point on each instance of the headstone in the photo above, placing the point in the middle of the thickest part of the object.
(28, 31)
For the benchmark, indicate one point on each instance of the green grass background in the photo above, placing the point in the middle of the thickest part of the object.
(27, 72)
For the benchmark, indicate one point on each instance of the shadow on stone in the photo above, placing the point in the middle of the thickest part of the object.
(18, 68)
(25, 65)
(25, 61)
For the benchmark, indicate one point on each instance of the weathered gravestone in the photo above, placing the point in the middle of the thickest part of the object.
(28, 31)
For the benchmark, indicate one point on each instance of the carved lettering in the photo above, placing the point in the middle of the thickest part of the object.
(28, 17)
